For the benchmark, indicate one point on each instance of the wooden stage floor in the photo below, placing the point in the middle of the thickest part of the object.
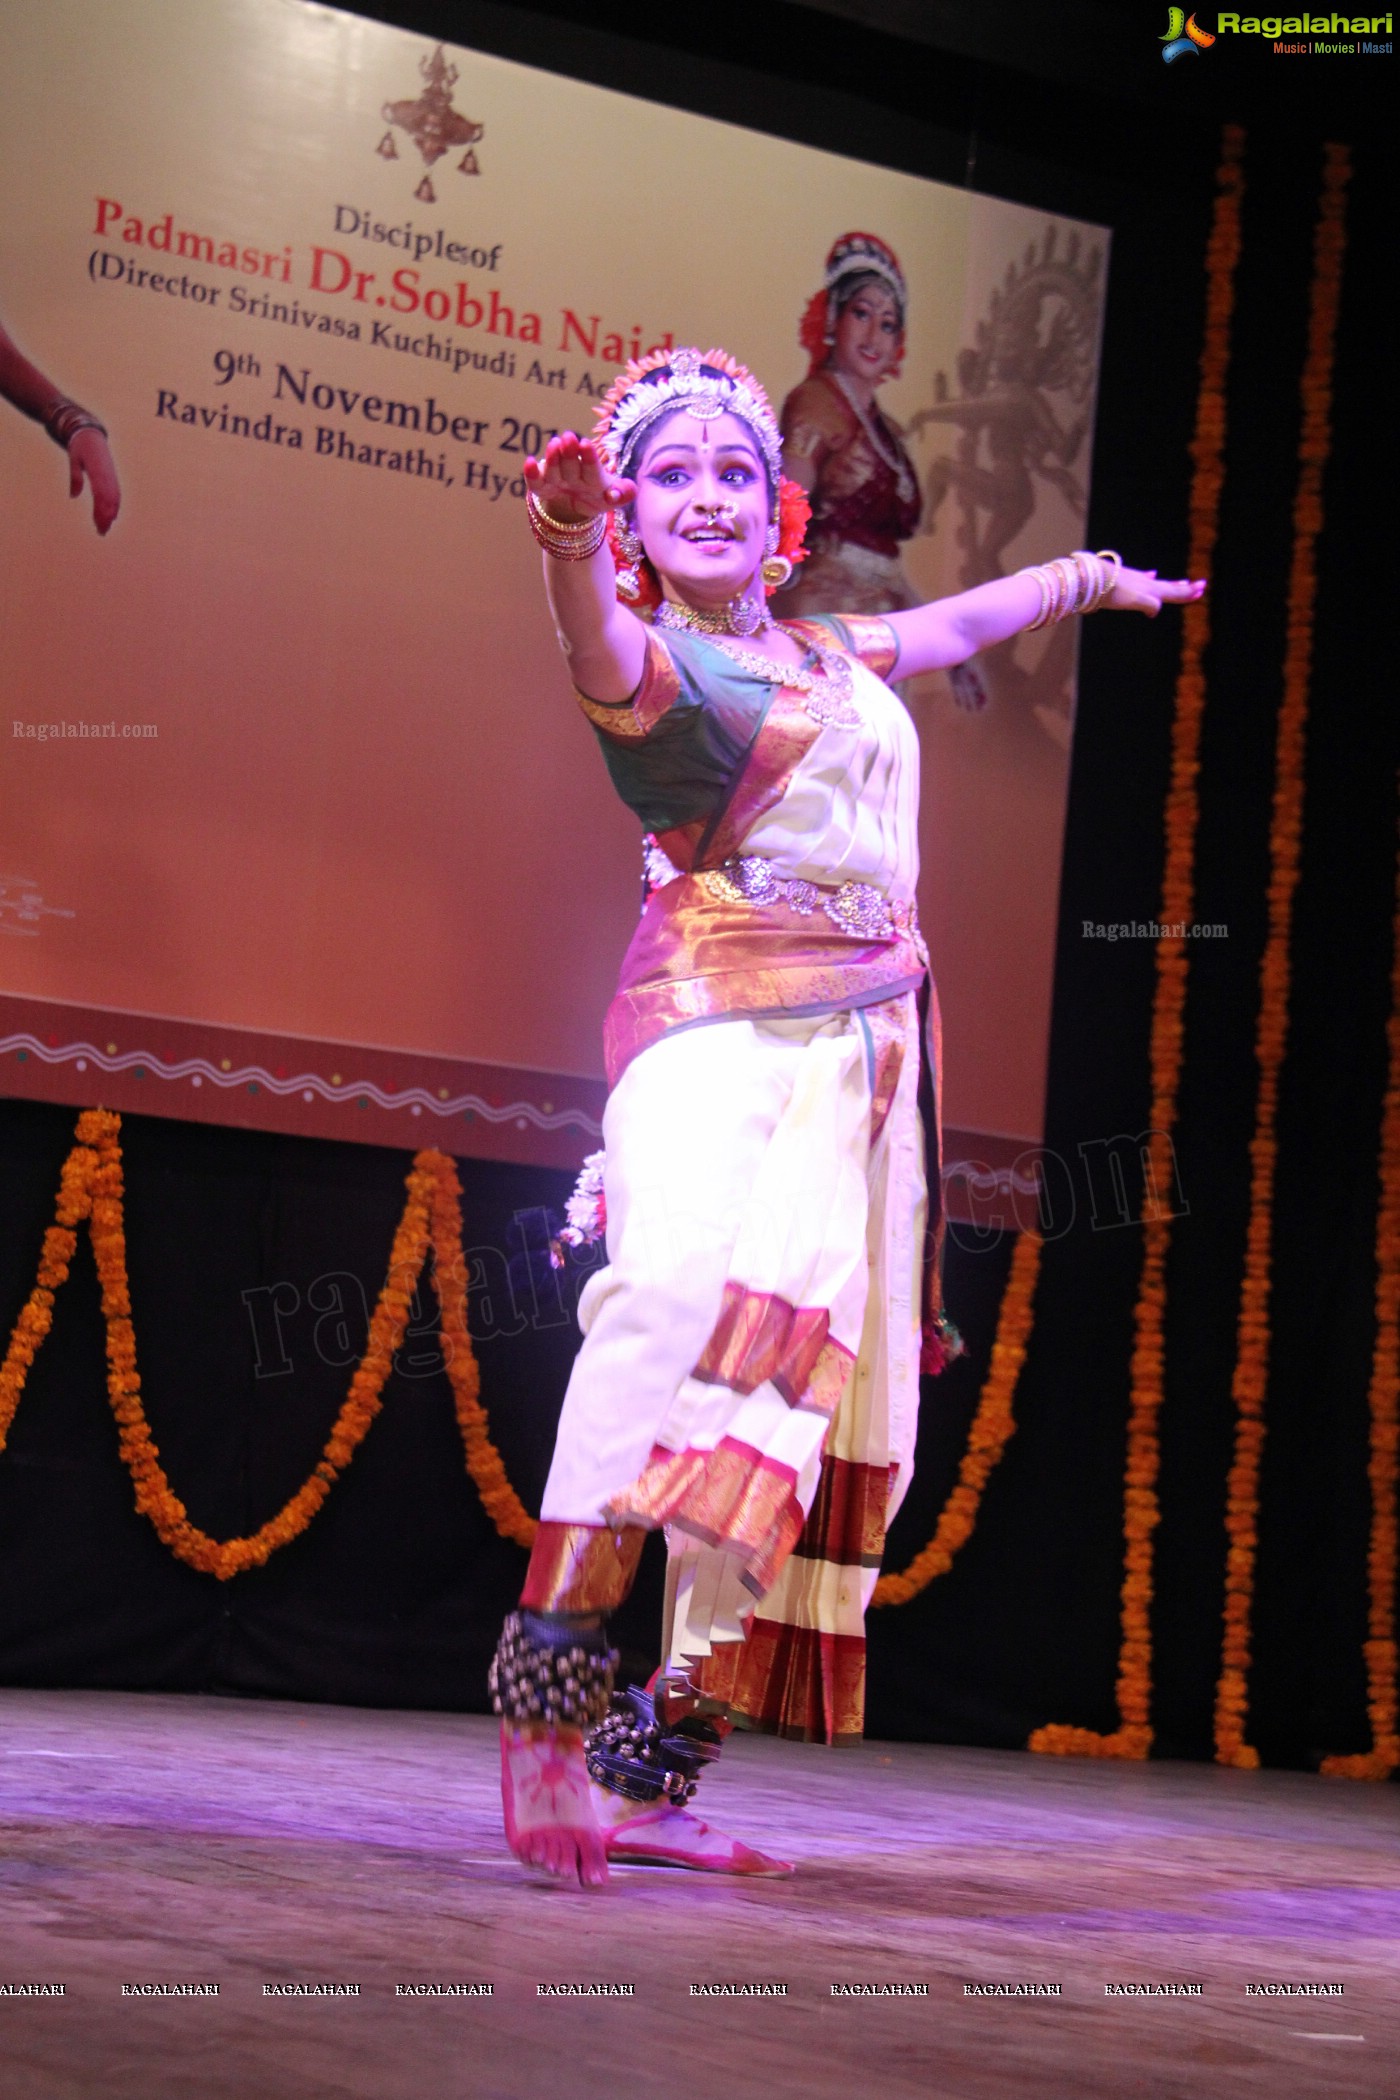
(156, 1840)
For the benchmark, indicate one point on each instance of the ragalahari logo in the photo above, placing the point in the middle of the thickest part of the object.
(434, 126)
(1183, 35)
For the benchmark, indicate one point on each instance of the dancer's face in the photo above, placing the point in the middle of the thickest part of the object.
(702, 507)
(867, 335)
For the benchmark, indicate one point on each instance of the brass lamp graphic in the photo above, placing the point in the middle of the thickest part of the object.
(433, 125)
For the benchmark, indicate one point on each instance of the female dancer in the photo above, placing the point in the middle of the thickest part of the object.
(841, 449)
(749, 1374)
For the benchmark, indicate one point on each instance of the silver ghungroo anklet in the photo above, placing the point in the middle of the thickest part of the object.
(630, 1753)
(551, 1669)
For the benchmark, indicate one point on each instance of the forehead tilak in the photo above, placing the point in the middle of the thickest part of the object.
(710, 439)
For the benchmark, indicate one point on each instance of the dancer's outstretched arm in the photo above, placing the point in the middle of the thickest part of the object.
(604, 642)
(950, 630)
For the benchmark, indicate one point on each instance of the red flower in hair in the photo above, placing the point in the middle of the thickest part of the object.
(794, 513)
(812, 331)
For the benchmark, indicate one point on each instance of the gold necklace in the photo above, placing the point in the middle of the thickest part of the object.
(740, 616)
(829, 700)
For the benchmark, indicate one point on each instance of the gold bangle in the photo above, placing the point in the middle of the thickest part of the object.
(1113, 569)
(573, 540)
(1047, 582)
(1094, 580)
(1072, 584)
(1064, 590)
(547, 518)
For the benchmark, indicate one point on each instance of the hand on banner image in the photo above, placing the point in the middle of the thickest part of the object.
(90, 459)
(570, 480)
(75, 429)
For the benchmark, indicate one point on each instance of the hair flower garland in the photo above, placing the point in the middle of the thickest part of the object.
(794, 516)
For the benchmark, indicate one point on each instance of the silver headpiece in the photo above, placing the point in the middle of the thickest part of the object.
(866, 254)
(705, 385)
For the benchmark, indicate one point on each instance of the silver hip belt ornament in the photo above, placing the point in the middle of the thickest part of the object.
(858, 908)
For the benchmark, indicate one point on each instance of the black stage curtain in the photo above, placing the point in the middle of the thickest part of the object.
(253, 1257)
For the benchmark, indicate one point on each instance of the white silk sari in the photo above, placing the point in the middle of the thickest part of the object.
(750, 1370)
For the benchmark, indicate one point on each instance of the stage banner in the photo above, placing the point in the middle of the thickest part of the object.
(301, 828)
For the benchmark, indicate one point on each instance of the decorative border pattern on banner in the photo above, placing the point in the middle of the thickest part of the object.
(84, 1057)
(288, 1084)
(198, 1069)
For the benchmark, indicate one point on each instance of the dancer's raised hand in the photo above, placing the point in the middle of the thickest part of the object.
(571, 481)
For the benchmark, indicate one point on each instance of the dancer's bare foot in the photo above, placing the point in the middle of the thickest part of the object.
(546, 1794)
(659, 1835)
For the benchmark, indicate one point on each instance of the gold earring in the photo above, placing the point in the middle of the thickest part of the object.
(775, 571)
(629, 581)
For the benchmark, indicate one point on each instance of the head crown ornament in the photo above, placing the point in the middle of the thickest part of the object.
(853, 256)
(860, 253)
(705, 384)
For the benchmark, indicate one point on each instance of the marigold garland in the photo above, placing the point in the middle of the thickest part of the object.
(60, 1245)
(992, 1426)
(484, 1463)
(1133, 1736)
(1249, 1385)
(90, 1190)
(1384, 1755)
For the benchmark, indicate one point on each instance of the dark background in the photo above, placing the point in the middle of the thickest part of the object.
(396, 1593)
